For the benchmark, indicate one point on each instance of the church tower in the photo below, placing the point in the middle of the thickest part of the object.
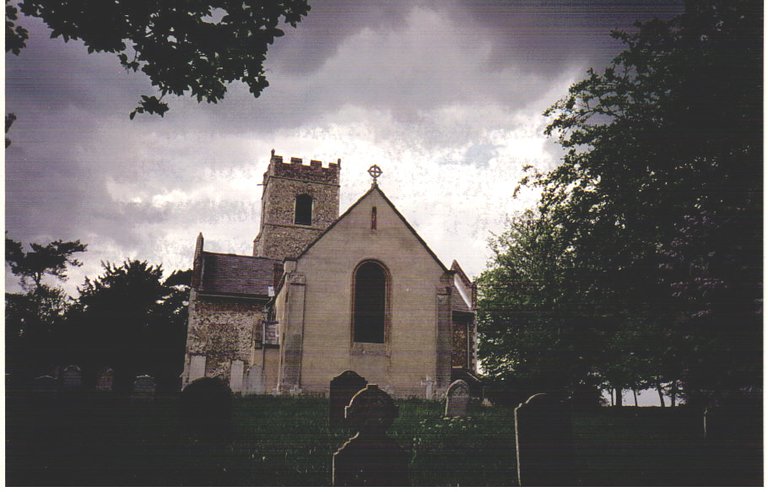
(298, 202)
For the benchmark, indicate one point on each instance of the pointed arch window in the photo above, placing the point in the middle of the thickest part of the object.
(370, 303)
(303, 210)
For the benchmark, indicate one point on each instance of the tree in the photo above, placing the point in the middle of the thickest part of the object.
(33, 324)
(532, 332)
(51, 259)
(34, 318)
(195, 47)
(132, 321)
(655, 213)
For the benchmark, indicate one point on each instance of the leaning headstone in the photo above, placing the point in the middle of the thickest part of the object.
(144, 387)
(205, 408)
(370, 458)
(71, 378)
(45, 385)
(104, 380)
(544, 442)
(343, 388)
(457, 399)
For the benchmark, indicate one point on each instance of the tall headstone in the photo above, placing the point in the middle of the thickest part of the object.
(144, 387)
(236, 373)
(457, 399)
(254, 382)
(343, 388)
(544, 442)
(370, 458)
(104, 380)
(71, 378)
(429, 388)
(196, 367)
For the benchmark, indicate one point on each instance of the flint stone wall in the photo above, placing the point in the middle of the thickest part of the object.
(223, 331)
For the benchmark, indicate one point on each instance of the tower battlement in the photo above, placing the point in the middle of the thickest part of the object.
(298, 202)
(296, 169)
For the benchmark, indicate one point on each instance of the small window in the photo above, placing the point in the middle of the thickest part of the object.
(370, 303)
(303, 213)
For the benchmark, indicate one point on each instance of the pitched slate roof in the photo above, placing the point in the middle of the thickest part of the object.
(236, 274)
(457, 301)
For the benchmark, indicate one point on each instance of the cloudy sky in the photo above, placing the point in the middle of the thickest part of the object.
(446, 96)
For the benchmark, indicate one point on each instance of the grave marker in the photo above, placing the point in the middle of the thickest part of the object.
(457, 399)
(104, 380)
(544, 442)
(144, 387)
(343, 387)
(370, 458)
(45, 385)
(71, 378)
(205, 408)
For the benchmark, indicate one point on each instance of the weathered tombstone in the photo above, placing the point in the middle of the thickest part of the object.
(544, 442)
(236, 373)
(104, 380)
(71, 378)
(429, 386)
(343, 388)
(205, 408)
(457, 399)
(196, 367)
(254, 383)
(45, 385)
(144, 387)
(370, 458)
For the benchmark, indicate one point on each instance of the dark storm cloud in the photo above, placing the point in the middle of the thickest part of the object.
(543, 34)
(546, 35)
(77, 162)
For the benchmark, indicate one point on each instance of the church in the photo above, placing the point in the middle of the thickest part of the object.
(324, 293)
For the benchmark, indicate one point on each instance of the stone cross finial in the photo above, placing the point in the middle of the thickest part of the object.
(375, 171)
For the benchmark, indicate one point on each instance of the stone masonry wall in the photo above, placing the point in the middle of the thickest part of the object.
(223, 331)
(279, 237)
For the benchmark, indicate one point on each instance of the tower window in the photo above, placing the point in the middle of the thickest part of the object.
(303, 212)
(370, 303)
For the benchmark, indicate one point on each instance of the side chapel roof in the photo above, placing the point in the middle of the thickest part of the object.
(458, 302)
(237, 275)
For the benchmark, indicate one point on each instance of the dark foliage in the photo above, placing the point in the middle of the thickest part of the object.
(128, 319)
(642, 263)
(50, 259)
(196, 47)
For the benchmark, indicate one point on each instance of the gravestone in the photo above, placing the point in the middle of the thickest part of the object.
(236, 373)
(544, 442)
(254, 384)
(343, 388)
(71, 378)
(370, 458)
(205, 408)
(144, 387)
(429, 388)
(457, 399)
(104, 380)
(45, 385)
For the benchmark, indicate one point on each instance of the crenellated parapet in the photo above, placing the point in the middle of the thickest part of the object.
(296, 169)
